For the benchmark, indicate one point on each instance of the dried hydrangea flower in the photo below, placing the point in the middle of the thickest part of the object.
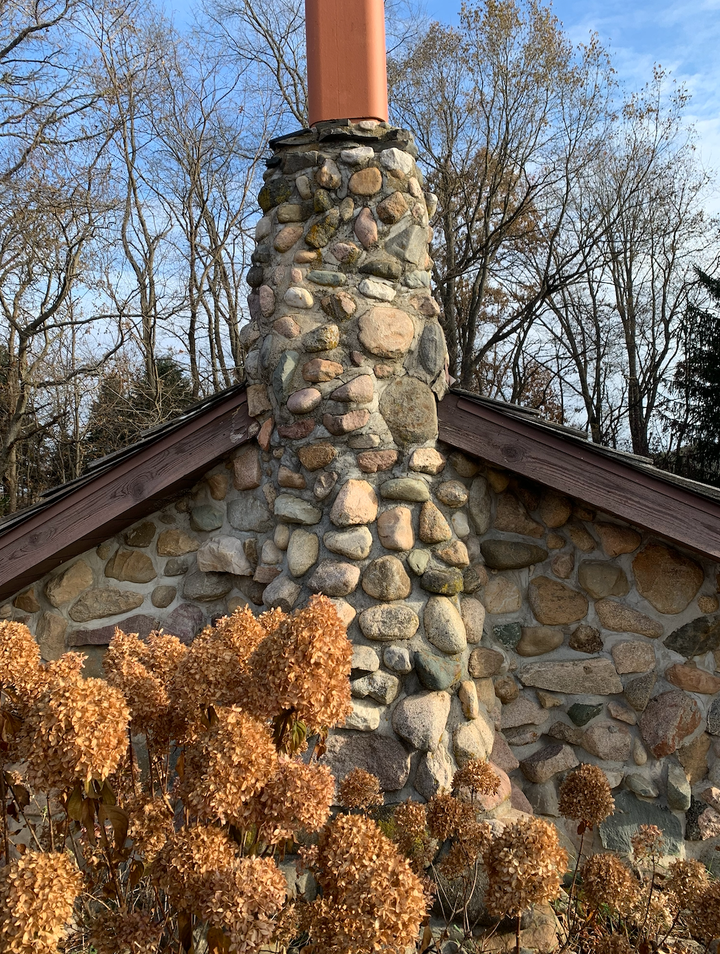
(145, 694)
(19, 660)
(228, 765)
(129, 932)
(478, 777)
(37, 894)
(647, 842)
(585, 795)
(524, 864)
(303, 667)
(686, 880)
(607, 881)
(411, 836)
(472, 841)
(187, 859)
(371, 898)
(244, 902)
(613, 944)
(360, 789)
(297, 798)
(77, 730)
(703, 918)
(150, 826)
(447, 815)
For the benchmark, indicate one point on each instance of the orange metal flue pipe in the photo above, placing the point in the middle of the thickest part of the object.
(347, 70)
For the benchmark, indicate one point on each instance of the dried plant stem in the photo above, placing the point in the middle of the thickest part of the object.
(3, 799)
(650, 894)
(131, 759)
(51, 833)
(517, 934)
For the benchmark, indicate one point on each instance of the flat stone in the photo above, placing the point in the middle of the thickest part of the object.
(366, 181)
(537, 640)
(509, 634)
(412, 489)
(316, 456)
(443, 624)
(377, 289)
(596, 677)
(389, 622)
(395, 529)
(473, 740)
(713, 718)
(512, 517)
(624, 619)
(586, 639)
(602, 579)
(318, 370)
(130, 566)
(365, 716)
(176, 543)
(641, 785)
(175, 567)
(69, 584)
(692, 679)
(432, 352)
(324, 338)
(436, 672)
(290, 479)
(141, 624)
(543, 799)
(420, 719)
(366, 229)
(679, 793)
(397, 659)
(326, 278)
(248, 514)
(103, 601)
(355, 504)
(548, 700)
(381, 755)
(608, 741)
(696, 638)
(304, 401)
(409, 409)
(339, 424)
(50, 634)
(548, 761)
(427, 460)
(433, 527)
(473, 616)
(206, 518)
(141, 535)
(224, 555)
(385, 579)
(373, 462)
(617, 831)
(667, 720)
(507, 555)
(358, 155)
(480, 505)
(295, 510)
(282, 594)
(616, 540)
(380, 686)
(633, 656)
(435, 773)
(522, 711)
(638, 691)
(302, 552)
(358, 391)
(502, 596)
(668, 580)
(365, 659)
(554, 603)
(334, 578)
(485, 662)
(618, 711)
(442, 582)
(409, 245)
(693, 757)
(502, 755)
(563, 732)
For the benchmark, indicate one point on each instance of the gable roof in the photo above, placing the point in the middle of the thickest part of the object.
(119, 489)
(116, 491)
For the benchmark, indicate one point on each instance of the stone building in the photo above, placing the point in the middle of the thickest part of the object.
(511, 590)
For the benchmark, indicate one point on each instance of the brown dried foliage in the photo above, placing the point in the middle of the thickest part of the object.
(360, 789)
(585, 795)
(607, 881)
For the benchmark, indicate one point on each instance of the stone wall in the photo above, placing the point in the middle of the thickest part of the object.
(489, 616)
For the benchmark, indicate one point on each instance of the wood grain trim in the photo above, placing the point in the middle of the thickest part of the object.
(582, 472)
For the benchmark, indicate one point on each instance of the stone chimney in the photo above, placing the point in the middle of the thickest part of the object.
(346, 362)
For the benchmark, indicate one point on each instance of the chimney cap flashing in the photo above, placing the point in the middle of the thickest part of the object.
(344, 130)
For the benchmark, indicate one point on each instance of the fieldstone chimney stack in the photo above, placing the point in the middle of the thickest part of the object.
(347, 72)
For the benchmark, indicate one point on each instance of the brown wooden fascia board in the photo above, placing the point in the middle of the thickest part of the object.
(581, 472)
(120, 495)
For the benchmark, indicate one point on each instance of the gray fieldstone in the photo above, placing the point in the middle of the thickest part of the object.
(442, 582)
(282, 593)
(596, 677)
(396, 621)
(163, 596)
(302, 551)
(247, 514)
(618, 829)
(354, 544)
(602, 579)
(380, 686)
(409, 409)
(365, 659)
(436, 672)
(473, 740)
(444, 627)
(641, 785)
(679, 793)
(365, 716)
(141, 535)
(580, 714)
(608, 741)
(418, 561)
(381, 755)
(334, 578)
(385, 579)
(633, 656)
(548, 761)
(224, 555)
(432, 352)
(397, 659)
(175, 567)
(543, 797)
(502, 596)
(480, 505)
(104, 601)
(420, 719)
(507, 555)
(522, 711)
(713, 718)
(296, 510)
(435, 773)
(206, 518)
(205, 587)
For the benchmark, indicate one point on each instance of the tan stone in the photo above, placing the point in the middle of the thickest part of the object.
(692, 679)
(455, 554)
(387, 332)
(339, 424)
(708, 604)
(366, 181)
(467, 693)
(693, 758)
(358, 391)
(536, 640)
(426, 460)
(563, 565)
(302, 552)
(355, 504)
(176, 543)
(608, 741)
(373, 462)
(452, 493)
(287, 237)
(554, 509)
(218, 486)
(316, 456)
(104, 601)
(555, 541)
(616, 540)
(586, 639)
(548, 700)
(506, 689)
(355, 543)
(512, 517)
(554, 603)
(138, 536)
(409, 408)
(667, 579)
(290, 479)
(621, 712)
(319, 370)
(433, 527)
(395, 529)
(69, 584)
(385, 579)
(258, 400)
(502, 596)
(498, 480)
(50, 633)
(473, 614)
(130, 566)
(27, 602)
(633, 656)
(601, 579)
(624, 619)
(596, 677)
(582, 538)
(163, 596)
(247, 473)
(392, 209)
(485, 662)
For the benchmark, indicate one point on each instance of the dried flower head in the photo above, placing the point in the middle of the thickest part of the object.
(524, 864)
(187, 859)
(19, 660)
(686, 880)
(607, 881)
(447, 816)
(704, 915)
(360, 789)
(410, 834)
(371, 898)
(125, 669)
(228, 765)
(647, 842)
(130, 932)
(296, 798)
(585, 796)
(478, 777)
(613, 944)
(473, 840)
(303, 667)
(37, 894)
(77, 730)
(150, 826)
